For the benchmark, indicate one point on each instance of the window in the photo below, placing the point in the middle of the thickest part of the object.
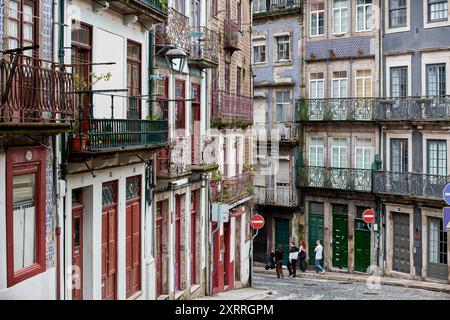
(259, 6)
(134, 80)
(363, 153)
(259, 53)
(316, 152)
(25, 213)
(316, 86)
(340, 16)
(227, 77)
(214, 7)
(179, 104)
(179, 6)
(239, 14)
(363, 83)
(283, 48)
(399, 155)
(437, 157)
(317, 22)
(283, 102)
(339, 153)
(399, 81)
(397, 13)
(340, 84)
(437, 10)
(364, 15)
(238, 80)
(436, 84)
(22, 24)
(195, 15)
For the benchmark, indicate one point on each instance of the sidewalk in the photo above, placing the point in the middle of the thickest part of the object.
(389, 281)
(240, 294)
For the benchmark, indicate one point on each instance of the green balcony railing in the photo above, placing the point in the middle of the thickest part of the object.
(159, 5)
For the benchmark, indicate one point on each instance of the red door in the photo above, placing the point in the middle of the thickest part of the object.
(177, 243)
(77, 245)
(133, 236)
(159, 240)
(226, 254)
(109, 240)
(193, 237)
(195, 124)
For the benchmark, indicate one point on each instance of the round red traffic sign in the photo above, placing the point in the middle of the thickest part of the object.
(368, 216)
(257, 221)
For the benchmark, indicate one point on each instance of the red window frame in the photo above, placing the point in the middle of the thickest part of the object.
(20, 22)
(134, 89)
(16, 164)
(180, 105)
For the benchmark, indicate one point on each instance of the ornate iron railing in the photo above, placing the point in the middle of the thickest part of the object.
(282, 196)
(231, 30)
(159, 5)
(336, 178)
(175, 31)
(227, 107)
(204, 151)
(204, 45)
(350, 109)
(410, 184)
(174, 159)
(232, 189)
(35, 91)
(273, 5)
(412, 108)
(286, 131)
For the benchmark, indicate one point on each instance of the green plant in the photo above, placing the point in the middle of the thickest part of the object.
(81, 84)
(163, 4)
(153, 117)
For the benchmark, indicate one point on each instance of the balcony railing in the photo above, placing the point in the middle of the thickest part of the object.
(204, 152)
(147, 11)
(173, 160)
(274, 5)
(335, 109)
(232, 32)
(431, 108)
(286, 132)
(35, 91)
(230, 190)
(175, 31)
(230, 108)
(159, 5)
(95, 134)
(281, 196)
(336, 178)
(410, 184)
(204, 48)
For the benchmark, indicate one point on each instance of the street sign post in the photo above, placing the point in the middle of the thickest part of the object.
(446, 194)
(368, 216)
(257, 221)
(446, 218)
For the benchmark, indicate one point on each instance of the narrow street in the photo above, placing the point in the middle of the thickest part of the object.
(326, 289)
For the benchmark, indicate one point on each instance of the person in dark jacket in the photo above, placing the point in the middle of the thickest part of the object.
(270, 261)
(293, 256)
(303, 256)
(279, 261)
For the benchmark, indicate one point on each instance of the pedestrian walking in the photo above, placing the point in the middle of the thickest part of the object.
(318, 256)
(303, 256)
(279, 261)
(293, 256)
(270, 261)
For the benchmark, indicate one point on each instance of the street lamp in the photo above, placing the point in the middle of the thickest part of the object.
(177, 57)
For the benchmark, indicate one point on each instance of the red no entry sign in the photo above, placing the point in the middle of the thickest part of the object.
(368, 216)
(257, 221)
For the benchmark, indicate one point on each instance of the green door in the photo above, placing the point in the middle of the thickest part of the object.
(362, 242)
(340, 236)
(315, 228)
(282, 237)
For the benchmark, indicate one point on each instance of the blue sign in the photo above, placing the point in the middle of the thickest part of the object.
(446, 220)
(446, 194)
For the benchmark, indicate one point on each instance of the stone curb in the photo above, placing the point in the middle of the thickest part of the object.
(383, 280)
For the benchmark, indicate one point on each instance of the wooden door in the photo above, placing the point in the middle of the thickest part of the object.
(282, 237)
(195, 125)
(340, 239)
(109, 241)
(194, 197)
(315, 227)
(159, 241)
(362, 242)
(133, 236)
(226, 254)
(401, 254)
(77, 245)
(177, 243)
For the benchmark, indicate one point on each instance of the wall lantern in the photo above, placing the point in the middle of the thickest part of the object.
(177, 57)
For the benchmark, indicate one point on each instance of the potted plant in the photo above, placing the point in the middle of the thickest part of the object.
(331, 54)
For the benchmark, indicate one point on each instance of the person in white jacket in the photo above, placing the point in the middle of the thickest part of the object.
(293, 256)
(318, 255)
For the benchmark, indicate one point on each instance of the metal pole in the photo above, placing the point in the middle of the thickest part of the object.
(251, 258)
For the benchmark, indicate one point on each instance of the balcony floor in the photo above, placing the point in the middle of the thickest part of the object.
(35, 129)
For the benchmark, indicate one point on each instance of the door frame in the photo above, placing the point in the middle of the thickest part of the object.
(77, 212)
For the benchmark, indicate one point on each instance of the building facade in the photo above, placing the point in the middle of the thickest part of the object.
(277, 65)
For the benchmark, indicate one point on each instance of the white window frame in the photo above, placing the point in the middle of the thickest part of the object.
(259, 44)
(284, 43)
(316, 82)
(363, 79)
(365, 7)
(387, 25)
(317, 13)
(339, 81)
(285, 105)
(342, 150)
(317, 147)
(366, 151)
(339, 11)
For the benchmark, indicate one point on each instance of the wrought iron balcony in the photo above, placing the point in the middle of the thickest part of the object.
(335, 178)
(280, 196)
(410, 184)
(431, 108)
(275, 5)
(233, 189)
(173, 161)
(232, 32)
(35, 94)
(150, 11)
(284, 132)
(93, 134)
(174, 32)
(204, 153)
(335, 109)
(229, 108)
(204, 48)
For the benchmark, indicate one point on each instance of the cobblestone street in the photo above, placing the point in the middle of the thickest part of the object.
(326, 289)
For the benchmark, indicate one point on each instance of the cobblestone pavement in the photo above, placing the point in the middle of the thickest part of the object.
(325, 289)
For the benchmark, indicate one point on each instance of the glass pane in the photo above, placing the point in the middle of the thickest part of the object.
(24, 220)
(76, 234)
